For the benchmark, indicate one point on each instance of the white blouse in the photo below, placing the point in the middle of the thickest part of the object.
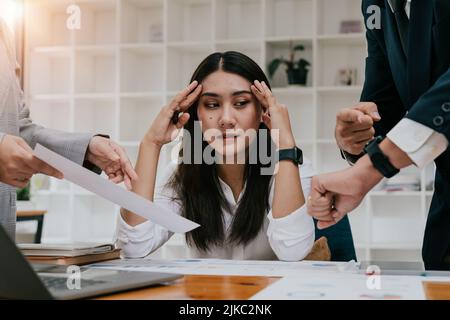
(289, 238)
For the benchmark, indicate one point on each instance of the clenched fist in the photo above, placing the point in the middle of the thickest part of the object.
(354, 127)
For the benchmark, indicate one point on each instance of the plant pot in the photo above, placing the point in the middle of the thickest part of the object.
(297, 76)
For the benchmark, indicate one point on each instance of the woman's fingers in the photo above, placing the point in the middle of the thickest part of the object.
(191, 98)
(175, 103)
(182, 120)
(184, 100)
(260, 97)
(269, 95)
(267, 121)
(259, 86)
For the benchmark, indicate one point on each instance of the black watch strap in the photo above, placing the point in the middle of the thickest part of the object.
(295, 155)
(379, 159)
(351, 158)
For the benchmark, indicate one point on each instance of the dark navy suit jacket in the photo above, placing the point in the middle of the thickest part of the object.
(416, 85)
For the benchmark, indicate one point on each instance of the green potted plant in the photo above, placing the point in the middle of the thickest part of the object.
(296, 70)
(24, 198)
(23, 194)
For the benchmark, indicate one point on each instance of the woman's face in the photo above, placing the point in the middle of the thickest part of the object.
(228, 112)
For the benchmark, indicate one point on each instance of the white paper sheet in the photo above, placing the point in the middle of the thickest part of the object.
(112, 192)
(229, 267)
(343, 286)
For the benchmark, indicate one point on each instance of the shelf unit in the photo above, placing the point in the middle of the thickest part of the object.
(130, 57)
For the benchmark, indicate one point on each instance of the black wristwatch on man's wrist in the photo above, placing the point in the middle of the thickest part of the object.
(379, 159)
(294, 154)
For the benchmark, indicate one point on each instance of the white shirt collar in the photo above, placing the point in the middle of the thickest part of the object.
(228, 193)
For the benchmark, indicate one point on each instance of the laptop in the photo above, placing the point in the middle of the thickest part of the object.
(22, 280)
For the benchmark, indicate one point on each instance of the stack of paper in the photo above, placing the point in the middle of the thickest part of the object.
(67, 254)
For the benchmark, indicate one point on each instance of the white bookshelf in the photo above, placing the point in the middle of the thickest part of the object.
(130, 57)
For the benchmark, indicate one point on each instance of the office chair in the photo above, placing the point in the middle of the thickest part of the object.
(340, 240)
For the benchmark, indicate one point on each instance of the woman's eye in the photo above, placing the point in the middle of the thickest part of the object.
(211, 105)
(241, 103)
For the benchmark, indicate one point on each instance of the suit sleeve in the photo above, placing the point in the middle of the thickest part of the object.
(72, 146)
(379, 86)
(433, 107)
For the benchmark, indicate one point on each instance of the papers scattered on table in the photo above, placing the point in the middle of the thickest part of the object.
(316, 286)
(301, 280)
(112, 192)
(230, 267)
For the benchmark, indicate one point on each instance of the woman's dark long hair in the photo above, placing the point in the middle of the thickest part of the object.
(197, 186)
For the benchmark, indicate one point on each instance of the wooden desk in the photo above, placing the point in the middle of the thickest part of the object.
(37, 215)
(231, 288)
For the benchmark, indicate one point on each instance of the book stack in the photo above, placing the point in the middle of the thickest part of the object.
(69, 254)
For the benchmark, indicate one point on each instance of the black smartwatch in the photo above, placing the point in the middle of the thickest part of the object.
(379, 160)
(295, 155)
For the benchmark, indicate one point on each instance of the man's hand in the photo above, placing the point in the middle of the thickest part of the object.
(335, 194)
(111, 158)
(18, 164)
(354, 127)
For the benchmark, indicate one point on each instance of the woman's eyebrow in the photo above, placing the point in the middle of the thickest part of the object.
(237, 93)
(210, 94)
(215, 95)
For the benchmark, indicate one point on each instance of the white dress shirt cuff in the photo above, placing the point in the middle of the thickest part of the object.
(421, 143)
(292, 230)
(136, 241)
(140, 232)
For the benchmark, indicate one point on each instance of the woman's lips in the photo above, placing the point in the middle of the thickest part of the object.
(228, 138)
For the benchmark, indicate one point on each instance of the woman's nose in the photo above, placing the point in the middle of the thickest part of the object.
(227, 119)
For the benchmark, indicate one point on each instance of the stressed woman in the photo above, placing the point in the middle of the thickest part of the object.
(248, 207)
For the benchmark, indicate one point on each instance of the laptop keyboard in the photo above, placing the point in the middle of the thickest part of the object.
(57, 283)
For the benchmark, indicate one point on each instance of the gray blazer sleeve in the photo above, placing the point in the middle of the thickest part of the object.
(72, 146)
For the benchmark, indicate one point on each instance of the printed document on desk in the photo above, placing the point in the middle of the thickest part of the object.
(230, 267)
(112, 192)
(344, 286)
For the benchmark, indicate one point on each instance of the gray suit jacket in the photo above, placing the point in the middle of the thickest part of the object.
(15, 120)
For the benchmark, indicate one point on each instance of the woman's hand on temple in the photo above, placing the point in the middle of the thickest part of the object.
(164, 129)
(275, 116)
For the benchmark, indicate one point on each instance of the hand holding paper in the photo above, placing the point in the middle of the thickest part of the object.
(112, 159)
(108, 190)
